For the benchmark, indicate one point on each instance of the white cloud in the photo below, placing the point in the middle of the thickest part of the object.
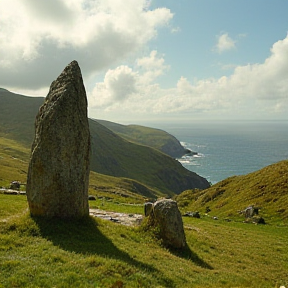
(123, 83)
(39, 37)
(152, 67)
(175, 30)
(118, 85)
(258, 89)
(225, 43)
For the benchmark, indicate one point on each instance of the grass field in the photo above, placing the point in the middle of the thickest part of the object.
(98, 253)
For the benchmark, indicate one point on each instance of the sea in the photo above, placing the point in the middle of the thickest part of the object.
(231, 148)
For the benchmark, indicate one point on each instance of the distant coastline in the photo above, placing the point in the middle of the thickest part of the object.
(234, 148)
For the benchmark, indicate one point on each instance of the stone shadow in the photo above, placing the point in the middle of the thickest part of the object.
(83, 236)
(188, 254)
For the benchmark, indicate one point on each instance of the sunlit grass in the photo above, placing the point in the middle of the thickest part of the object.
(89, 252)
(13, 162)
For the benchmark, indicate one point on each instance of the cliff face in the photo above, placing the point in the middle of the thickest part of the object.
(173, 148)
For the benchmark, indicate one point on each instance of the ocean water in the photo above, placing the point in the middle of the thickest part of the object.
(231, 148)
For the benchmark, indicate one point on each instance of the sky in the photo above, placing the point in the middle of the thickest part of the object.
(159, 60)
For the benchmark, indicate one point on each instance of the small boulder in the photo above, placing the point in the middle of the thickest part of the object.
(166, 215)
(192, 214)
(15, 185)
(255, 220)
(250, 211)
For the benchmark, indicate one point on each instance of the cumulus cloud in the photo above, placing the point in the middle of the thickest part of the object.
(117, 86)
(123, 83)
(39, 37)
(259, 88)
(225, 43)
(152, 66)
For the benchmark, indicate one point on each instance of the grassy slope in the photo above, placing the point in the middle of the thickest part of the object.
(151, 137)
(266, 188)
(13, 162)
(17, 116)
(111, 155)
(99, 253)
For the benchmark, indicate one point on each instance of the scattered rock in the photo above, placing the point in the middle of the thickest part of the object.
(166, 215)
(15, 185)
(255, 220)
(192, 214)
(58, 174)
(91, 198)
(250, 211)
(11, 192)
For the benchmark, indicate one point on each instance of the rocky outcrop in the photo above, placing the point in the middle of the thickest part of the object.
(58, 175)
(173, 148)
(165, 215)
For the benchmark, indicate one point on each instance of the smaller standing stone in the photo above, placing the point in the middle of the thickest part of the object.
(166, 215)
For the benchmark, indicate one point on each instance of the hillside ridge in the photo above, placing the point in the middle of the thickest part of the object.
(152, 137)
(266, 189)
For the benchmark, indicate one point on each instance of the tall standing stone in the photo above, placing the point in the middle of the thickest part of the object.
(58, 174)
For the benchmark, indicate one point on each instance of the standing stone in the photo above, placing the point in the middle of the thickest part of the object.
(166, 215)
(58, 174)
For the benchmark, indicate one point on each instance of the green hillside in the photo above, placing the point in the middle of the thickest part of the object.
(14, 159)
(266, 189)
(111, 154)
(156, 138)
(17, 116)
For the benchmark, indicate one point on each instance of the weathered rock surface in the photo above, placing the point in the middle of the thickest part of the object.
(166, 215)
(121, 218)
(58, 175)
